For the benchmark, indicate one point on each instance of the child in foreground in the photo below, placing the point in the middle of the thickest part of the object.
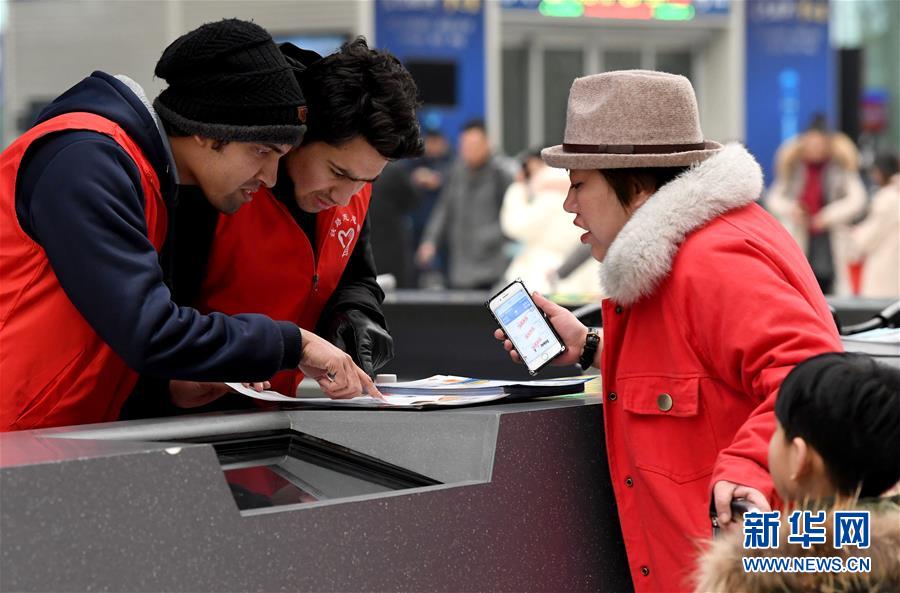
(837, 447)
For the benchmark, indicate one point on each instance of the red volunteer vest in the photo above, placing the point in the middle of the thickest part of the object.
(262, 262)
(54, 369)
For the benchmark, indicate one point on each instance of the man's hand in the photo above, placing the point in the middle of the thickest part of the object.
(192, 394)
(572, 332)
(426, 178)
(425, 254)
(333, 369)
(817, 223)
(799, 216)
(369, 344)
(724, 492)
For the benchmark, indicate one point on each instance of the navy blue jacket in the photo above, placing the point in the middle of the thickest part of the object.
(78, 194)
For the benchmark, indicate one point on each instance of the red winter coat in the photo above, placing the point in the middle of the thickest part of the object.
(261, 261)
(711, 305)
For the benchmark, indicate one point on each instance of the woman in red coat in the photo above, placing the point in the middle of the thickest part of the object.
(710, 304)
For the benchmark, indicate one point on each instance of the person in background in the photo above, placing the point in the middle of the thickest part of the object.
(531, 215)
(817, 194)
(429, 173)
(710, 304)
(83, 214)
(875, 242)
(394, 197)
(467, 215)
(301, 250)
(843, 394)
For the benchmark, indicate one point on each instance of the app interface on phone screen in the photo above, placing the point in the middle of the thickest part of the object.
(527, 329)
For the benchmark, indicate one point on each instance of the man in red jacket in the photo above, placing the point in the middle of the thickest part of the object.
(83, 211)
(301, 250)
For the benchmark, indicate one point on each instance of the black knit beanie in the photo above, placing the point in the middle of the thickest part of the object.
(228, 81)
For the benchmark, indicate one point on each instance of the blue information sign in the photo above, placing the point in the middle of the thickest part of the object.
(442, 43)
(789, 75)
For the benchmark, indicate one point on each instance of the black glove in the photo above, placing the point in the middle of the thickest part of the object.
(369, 344)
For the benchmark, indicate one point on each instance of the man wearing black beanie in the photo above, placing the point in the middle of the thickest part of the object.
(360, 114)
(83, 212)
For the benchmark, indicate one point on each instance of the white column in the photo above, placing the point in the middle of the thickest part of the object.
(12, 103)
(365, 21)
(493, 56)
(535, 92)
(174, 15)
(737, 35)
(592, 59)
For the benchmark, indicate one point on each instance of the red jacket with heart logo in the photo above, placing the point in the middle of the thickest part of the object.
(261, 261)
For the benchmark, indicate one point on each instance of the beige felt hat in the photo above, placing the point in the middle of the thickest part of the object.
(631, 118)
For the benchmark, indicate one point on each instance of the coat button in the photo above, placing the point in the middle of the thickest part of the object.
(618, 309)
(629, 482)
(645, 571)
(612, 396)
(664, 402)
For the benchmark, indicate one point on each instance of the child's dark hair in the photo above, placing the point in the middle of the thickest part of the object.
(847, 407)
(365, 92)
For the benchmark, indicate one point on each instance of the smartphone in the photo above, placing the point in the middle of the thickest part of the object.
(526, 326)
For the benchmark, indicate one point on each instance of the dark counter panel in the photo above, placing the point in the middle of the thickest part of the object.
(525, 505)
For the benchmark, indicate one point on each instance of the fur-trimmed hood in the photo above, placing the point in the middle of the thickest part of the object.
(641, 255)
(843, 152)
(721, 567)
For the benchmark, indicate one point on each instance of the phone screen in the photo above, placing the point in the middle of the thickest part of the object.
(525, 326)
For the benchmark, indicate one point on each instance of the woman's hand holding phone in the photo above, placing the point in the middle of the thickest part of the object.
(570, 330)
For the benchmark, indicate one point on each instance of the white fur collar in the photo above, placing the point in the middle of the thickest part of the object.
(641, 255)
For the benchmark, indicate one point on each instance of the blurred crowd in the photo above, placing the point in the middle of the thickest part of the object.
(477, 219)
(845, 216)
